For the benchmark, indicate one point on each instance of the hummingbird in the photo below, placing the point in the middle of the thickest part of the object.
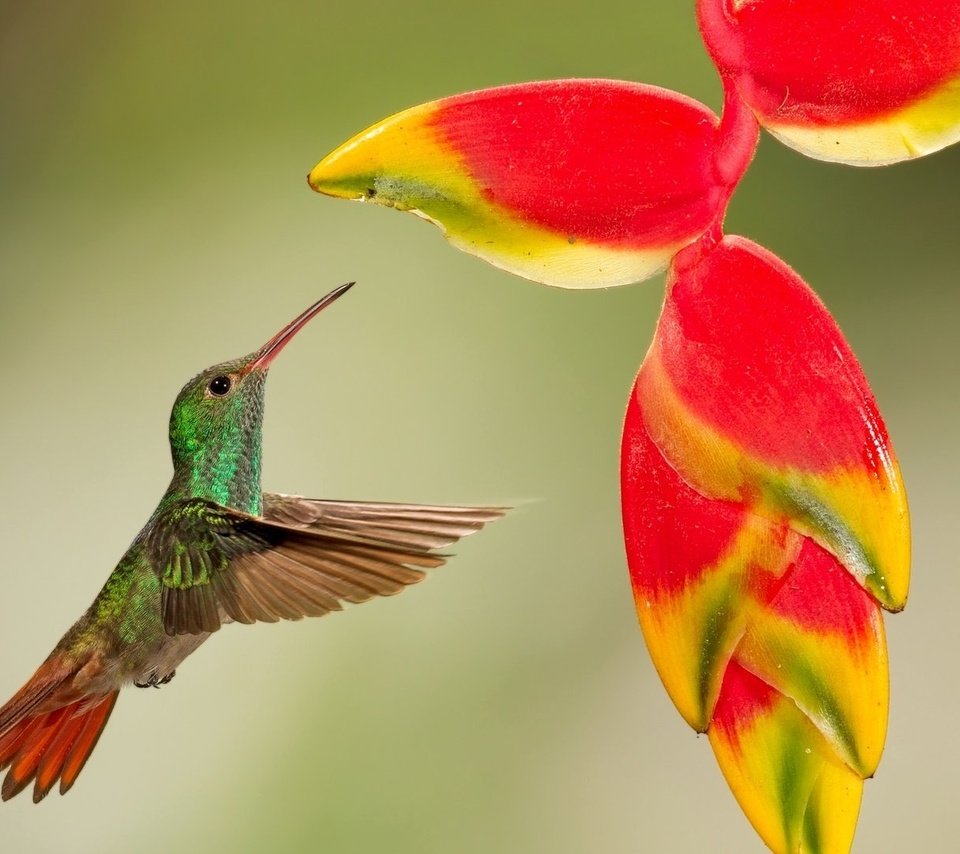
(216, 550)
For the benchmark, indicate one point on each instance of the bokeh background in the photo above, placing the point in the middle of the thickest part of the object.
(155, 220)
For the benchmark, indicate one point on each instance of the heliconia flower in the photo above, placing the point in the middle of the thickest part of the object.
(765, 523)
(576, 183)
(764, 514)
(859, 83)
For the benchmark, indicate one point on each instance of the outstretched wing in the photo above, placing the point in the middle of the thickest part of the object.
(416, 526)
(304, 558)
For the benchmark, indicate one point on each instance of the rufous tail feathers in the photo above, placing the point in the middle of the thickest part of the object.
(48, 730)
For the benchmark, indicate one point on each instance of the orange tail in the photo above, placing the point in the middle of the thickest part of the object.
(48, 730)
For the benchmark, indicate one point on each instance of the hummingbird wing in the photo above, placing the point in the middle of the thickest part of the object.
(418, 526)
(217, 564)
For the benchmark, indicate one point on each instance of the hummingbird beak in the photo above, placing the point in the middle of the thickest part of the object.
(269, 351)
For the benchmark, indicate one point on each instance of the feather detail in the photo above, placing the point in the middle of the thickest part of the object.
(94, 720)
(411, 525)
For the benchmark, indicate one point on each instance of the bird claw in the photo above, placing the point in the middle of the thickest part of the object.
(154, 681)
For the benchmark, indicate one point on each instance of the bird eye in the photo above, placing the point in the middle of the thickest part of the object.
(219, 386)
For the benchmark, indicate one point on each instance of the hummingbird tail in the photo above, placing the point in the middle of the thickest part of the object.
(47, 731)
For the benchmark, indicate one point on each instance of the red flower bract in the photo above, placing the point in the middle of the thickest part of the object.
(645, 158)
(764, 520)
(753, 395)
(577, 183)
(862, 83)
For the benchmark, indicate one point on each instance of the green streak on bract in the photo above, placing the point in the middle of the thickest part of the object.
(396, 191)
(812, 839)
(800, 503)
(717, 628)
(406, 193)
(814, 693)
(795, 772)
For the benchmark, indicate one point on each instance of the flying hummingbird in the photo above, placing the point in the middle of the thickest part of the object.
(216, 550)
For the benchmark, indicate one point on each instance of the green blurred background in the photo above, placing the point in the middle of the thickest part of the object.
(155, 220)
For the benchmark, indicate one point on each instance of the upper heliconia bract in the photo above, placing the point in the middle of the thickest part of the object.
(866, 83)
(576, 183)
(765, 524)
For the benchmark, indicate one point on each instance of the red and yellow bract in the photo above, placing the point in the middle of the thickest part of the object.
(754, 396)
(492, 168)
(764, 519)
(864, 83)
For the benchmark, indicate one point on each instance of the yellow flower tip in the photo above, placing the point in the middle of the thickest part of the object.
(397, 163)
(319, 182)
(340, 175)
(892, 597)
(797, 793)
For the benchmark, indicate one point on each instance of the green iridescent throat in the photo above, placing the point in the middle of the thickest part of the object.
(217, 445)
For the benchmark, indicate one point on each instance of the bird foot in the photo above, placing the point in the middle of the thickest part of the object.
(155, 681)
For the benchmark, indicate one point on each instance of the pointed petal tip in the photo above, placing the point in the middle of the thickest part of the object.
(891, 596)
(330, 178)
(792, 787)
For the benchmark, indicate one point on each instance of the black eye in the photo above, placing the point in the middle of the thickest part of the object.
(219, 386)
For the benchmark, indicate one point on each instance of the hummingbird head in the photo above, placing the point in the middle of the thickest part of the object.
(217, 419)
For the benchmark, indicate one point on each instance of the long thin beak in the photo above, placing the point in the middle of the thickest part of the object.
(269, 351)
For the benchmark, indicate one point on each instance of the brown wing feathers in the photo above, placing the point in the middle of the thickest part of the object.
(415, 526)
(306, 557)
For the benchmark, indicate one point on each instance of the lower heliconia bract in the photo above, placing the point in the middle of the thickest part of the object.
(793, 787)
(860, 83)
(765, 525)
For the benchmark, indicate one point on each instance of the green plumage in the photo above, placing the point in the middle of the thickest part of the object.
(216, 443)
